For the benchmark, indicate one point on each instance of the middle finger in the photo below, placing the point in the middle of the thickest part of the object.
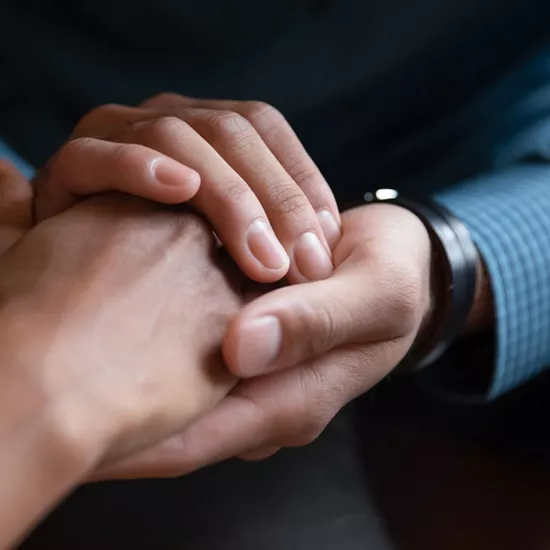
(288, 208)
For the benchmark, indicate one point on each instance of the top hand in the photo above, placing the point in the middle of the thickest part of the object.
(311, 348)
(239, 163)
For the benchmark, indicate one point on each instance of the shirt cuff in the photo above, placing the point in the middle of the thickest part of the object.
(508, 216)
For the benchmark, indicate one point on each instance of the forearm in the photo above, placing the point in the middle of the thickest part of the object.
(36, 473)
(47, 447)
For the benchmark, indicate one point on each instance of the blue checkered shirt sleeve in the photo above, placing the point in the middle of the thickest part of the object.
(7, 153)
(508, 215)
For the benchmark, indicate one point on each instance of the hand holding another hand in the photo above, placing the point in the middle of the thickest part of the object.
(237, 162)
(307, 350)
(115, 309)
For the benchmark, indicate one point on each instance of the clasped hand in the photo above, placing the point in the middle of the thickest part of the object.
(359, 284)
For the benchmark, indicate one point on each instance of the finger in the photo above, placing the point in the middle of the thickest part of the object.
(285, 206)
(247, 419)
(376, 294)
(286, 409)
(211, 439)
(15, 205)
(288, 209)
(259, 454)
(226, 200)
(292, 324)
(284, 144)
(86, 166)
(106, 120)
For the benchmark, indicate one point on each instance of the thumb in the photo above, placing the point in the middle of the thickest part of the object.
(15, 205)
(297, 323)
(378, 292)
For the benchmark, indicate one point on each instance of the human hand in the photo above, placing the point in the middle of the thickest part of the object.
(239, 163)
(110, 328)
(308, 350)
(15, 205)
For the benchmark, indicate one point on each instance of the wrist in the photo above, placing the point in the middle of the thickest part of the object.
(49, 442)
(40, 394)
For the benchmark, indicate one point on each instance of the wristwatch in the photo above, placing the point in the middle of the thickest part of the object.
(454, 268)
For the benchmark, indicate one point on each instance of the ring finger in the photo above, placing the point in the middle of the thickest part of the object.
(285, 145)
(290, 212)
(233, 192)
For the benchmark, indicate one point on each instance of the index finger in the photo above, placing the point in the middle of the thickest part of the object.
(283, 142)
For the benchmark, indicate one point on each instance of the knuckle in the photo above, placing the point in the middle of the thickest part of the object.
(66, 154)
(263, 114)
(73, 146)
(315, 411)
(129, 160)
(163, 99)
(92, 121)
(327, 331)
(304, 173)
(289, 199)
(234, 192)
(227, 124)
(161, 130)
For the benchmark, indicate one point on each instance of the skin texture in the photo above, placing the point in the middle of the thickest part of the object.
(338, 338)
(103, 344)
(238, 163)
(128, 288)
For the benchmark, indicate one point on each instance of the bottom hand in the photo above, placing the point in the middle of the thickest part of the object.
(112, 318)
(15, 205)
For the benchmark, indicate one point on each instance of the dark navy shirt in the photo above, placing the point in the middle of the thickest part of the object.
(450, 97)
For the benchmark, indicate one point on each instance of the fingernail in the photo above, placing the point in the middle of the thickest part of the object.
(311, 258)
(173, 174)
(330, 227)
(259, 344)
(265, 246)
